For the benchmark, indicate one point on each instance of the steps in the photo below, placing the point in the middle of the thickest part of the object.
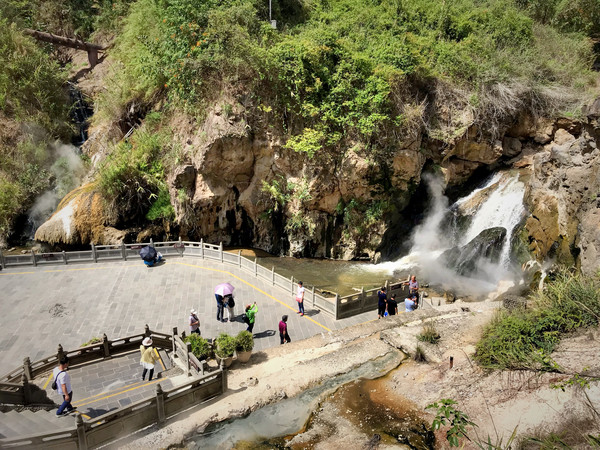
(15, 424)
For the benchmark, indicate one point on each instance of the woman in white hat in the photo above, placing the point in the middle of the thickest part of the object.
(149, 357)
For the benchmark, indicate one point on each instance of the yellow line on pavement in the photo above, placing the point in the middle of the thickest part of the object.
(252, 286)
(122, 392)
(103, 393)
(48, 381)
(85, 415)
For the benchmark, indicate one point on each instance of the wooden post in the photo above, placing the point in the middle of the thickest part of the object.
(26, 390)
(292, 284)
(273, 275)
(255, 267)
(240, 258)
(151, 242)
(313, 297)
(81, 438)
(27, 368)
(105, 346)
(387, 285)
(181, 246)
(123, 251)
(174, 344)
(64, 257)
(188, 349)
(33, 258)
(221, 250)
(362, 297)
(202, 248)
(94, 254)
(337, 302)
(160, 404)
(147, 331)
(451, 362)
(223, 378)
(1, 260)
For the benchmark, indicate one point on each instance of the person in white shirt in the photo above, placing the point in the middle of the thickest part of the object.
(63, 386)
(300, 298)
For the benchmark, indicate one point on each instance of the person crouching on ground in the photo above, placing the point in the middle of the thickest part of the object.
(250, 316)
(62, 378)
(410, 303)
(149, 357)
(283, 333)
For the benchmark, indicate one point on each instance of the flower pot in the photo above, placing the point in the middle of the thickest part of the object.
(243, 356)
(226, 361)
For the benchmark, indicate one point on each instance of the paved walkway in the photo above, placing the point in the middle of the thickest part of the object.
(49, 305)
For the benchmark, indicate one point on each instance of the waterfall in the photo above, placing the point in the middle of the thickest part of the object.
(497, 203)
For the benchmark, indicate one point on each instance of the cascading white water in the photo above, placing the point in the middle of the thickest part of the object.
(499, 203)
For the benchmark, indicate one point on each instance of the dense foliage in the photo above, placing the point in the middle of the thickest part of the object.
(524, 338)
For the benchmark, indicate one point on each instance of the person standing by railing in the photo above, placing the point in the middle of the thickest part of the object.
(381, 302)
(300, 298)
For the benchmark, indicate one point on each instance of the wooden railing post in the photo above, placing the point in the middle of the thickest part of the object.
(223, 378)
(174, 343)
(313, 297)
(362, 296)
(64, 257)
(33, 258)
(255, 267)
(240, 258)
(123, 251)
(188, 350)
(292, 284)
(94, 254)
(160, 404)
(221, 250)
(105, 346)
(81, 438)
(336, 306)
(1, 260)
(387, 284)
(273, 275)
(26, 390)
(181, 246)
(27, 368)
(202, 248)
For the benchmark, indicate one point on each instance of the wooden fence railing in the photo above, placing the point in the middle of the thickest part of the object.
(111, 426)
(338, 307)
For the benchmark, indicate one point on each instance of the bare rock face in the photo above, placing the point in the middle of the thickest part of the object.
(562, 198)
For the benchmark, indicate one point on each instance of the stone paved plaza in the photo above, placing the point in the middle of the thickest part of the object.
(47, 305)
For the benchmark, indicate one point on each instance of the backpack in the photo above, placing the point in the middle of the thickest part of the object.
(54, 385)
(231, 301)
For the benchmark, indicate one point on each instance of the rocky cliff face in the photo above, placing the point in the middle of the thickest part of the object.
(236, 182)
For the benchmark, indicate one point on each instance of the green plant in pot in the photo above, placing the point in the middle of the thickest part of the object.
(244, 343)
(200, 346)
(225, 347)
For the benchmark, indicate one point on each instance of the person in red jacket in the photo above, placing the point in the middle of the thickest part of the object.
(283, 333)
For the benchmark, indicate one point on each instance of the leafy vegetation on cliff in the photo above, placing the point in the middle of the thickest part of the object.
(524, 338)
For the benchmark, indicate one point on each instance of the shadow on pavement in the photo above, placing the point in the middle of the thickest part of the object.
(264, 334)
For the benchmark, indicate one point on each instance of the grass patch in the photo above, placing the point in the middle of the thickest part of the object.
(429, 334)
(419, 354)
(524, 338)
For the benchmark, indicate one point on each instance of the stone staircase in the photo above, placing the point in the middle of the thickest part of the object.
(14, 424)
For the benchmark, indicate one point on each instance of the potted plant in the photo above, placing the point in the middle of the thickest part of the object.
(244, 343)
(200, 346)
(224, 348)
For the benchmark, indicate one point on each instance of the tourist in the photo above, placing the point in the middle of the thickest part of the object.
(284, 337)
(250, 317)
(392, 306)
(149, 357)
(220, 306)
(382, 302)
(300, 298)
(229, 302)
(413, 285)
(62, 385)
(194, 322)
(410, 303)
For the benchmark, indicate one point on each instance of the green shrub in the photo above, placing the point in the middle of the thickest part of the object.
(244, 342)
(419, 354)
(524, 339)
(200, 346)
(225, 345)
(429, 334)
(92, 341)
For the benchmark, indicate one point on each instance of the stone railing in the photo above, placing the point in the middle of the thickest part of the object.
(338, 307)
(109, 427)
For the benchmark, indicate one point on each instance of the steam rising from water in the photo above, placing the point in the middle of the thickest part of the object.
(68, 171)
(498, 203)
